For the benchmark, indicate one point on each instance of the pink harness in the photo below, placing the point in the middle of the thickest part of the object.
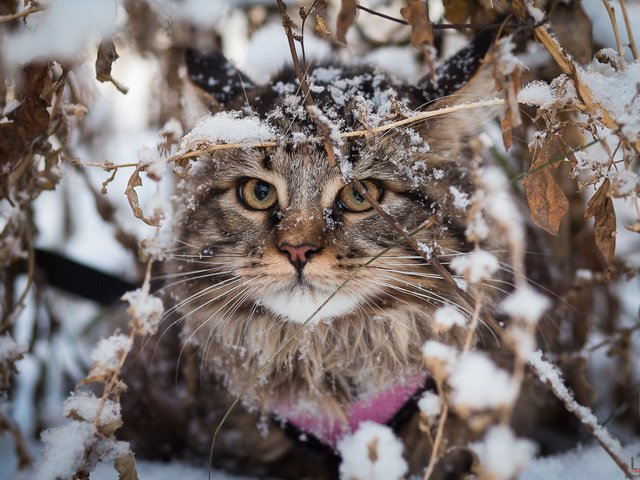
(379, 408)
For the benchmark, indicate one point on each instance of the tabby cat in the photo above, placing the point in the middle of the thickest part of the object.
(289, 288)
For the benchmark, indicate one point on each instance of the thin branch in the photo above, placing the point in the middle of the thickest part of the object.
(439, 433)
(304, 85)
(23, 13)
(627, 24)
(549, 375)
(616, 32)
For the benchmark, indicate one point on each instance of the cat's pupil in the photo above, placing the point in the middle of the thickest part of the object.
(261, 191)
(359, 198)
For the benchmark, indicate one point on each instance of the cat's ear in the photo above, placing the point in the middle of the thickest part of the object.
(212, 83)
(464, 78)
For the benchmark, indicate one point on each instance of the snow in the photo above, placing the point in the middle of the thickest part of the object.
(108, 352)
(448, 317)
(460, 199)
(145, 310)
(537, 93)
(148, 470)
(372, 453)
(479, 384)
(501, 454)
(584, 462)
(84, 406)
(226, 127)
(83, 23)
(64, 462)
(525, 304)
(429, 404)
(601, 24)
(9, 349)
(200, 13)
(475, 266)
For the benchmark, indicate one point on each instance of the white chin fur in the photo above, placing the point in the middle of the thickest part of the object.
(298, 305)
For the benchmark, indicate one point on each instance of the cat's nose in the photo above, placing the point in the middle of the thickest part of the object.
(298, 254)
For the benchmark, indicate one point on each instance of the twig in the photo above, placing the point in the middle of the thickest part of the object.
(474, 319)
(616, 32)
(25, 458)
(23, 13)
(549, 374)
(304, 85)
(627, 24)
(439, 433)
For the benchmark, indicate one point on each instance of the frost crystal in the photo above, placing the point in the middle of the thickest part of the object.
(475, 266)
(372, 453)
(145, 310)
(502, 455)
(479, 384)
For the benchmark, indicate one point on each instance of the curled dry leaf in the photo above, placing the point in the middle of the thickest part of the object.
(601, 208)
(346, 17)
(321, 27)
(132, 196)
(547, 201)
(457, 11)
(417, 14)
(126, 467)
(106, 56)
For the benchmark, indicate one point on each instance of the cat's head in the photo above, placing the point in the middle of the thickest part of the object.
(277, 230)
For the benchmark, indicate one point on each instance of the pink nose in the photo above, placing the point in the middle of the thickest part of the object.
(298, 254)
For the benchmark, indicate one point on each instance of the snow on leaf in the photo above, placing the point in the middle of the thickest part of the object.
(84, 406)
(448, 317)
(107, 354)
(57, 462)
(145, 310)
(371, 453)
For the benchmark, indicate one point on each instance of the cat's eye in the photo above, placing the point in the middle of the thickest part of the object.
(258, 194)
(351, 200)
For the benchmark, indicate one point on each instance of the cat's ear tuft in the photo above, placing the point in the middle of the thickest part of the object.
(459, 70)
(216, 76)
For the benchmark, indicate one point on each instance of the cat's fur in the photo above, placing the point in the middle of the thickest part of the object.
(242, 324)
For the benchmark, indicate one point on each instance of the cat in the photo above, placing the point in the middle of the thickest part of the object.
(289, 289)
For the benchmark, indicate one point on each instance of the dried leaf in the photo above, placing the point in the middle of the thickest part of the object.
(457, 11)
(547, 201)
(505, 124)
(132, 196)
(417, 14)
(601, 208)
(346, 17)
(106, 56)
(372, 450)
(321, 26)
(126, 467)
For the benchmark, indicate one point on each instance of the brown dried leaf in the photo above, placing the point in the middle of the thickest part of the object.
(321, 26)
(601, 208)
(106, 56)
(372, 450)
(126, 467)
(505, 125)
(457, 11)
(417, 14)
(346, 17)
(547, 201)
(132, 196)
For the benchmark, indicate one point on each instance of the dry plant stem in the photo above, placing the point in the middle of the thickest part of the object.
(304, 85)
(570, 406)
(474, 320)
(23, 13)
(24, 456)
(439, 434)
(616, 32)
(627, 24)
